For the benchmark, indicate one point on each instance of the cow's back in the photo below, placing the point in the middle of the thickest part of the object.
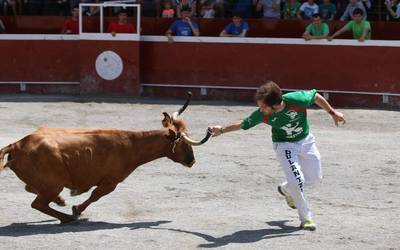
(79, 158)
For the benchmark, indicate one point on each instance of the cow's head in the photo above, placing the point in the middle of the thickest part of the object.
(181, 144)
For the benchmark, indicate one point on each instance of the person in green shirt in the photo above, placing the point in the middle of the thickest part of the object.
(317, 29)
(293, 143)
(291, 10)
(360, 28)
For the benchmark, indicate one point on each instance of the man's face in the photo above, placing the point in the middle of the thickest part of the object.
(317, 21)
(267, 110)
(185, 14)
(357, 18)
(75, 12)
(122, 17)
(237, 20)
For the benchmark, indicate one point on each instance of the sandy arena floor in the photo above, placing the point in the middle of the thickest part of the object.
(228, 200)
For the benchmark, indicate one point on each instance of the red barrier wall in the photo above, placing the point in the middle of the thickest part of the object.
(293, 66)
(128, 81)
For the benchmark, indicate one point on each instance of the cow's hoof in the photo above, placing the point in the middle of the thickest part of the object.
(75, 211)
(68, 219)
(60, 202)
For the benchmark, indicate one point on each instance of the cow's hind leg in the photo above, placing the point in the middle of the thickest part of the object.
(97, 193)
(41, 203)
(58, 200)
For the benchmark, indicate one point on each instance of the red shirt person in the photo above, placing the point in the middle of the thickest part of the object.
(71, 26)
(122, 26)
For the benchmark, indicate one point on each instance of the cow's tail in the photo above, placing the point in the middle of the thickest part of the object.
(3, 152)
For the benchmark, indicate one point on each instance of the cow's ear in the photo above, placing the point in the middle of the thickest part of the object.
(167, 120)
(172, 135)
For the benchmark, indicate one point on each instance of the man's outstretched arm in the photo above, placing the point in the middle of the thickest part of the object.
(324, 104)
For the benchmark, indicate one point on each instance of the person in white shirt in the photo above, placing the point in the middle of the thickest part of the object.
(307, 9)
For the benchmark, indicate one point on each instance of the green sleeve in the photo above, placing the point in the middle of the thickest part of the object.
(367, 25)
(325, 29)
(308, 28)
(255, 118)
(302, 99)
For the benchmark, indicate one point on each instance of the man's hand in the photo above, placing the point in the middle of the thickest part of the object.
(216, 130)
(337, 117)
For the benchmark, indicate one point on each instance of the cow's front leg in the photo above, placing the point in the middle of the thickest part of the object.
(41, 203)
(97, 193)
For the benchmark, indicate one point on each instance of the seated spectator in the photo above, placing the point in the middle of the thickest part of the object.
(183, 27)
(2, 27)
(122, 26)
(71, 26)
(168, 11)
(307, 9)
(237, 28)
(187, 4)
(348, 12)
(360, 28)
(207, 8)
(317, 29)
(393, 10)
(291, 10)
(271, 8)
(327, 10)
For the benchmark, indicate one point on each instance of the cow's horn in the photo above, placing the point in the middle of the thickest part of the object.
(197, 143)
(180, 111)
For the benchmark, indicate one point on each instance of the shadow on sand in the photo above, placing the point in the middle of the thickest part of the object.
(279, 229)
(82, 225)
(245, 236)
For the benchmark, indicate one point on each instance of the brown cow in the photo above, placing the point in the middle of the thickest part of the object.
(50, 159)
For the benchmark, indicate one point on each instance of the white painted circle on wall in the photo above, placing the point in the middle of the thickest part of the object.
(109, 65)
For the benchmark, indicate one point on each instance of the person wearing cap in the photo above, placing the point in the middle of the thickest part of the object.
(237, 28)
(183, 27)
(317, 29)
(360, 28)
(122, 26)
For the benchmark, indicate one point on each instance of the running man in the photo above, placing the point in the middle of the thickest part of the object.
(294, 145)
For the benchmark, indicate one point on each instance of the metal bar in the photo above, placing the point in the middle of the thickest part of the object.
(255, 88)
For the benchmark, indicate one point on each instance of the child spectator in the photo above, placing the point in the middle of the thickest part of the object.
(353, 4)
(291, 10)
(327, 10)
(237, 28)
(360, 28)
(307, 9)
(122, 26)
(207, 8)
(183, 27)
(317, 29)
(71, 26)
(168, 11)
(393, 10)
(2, 27)
(271, 8)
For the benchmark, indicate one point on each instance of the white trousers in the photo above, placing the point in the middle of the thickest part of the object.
(301, 163)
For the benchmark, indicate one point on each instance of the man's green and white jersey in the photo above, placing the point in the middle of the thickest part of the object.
(290, 124)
